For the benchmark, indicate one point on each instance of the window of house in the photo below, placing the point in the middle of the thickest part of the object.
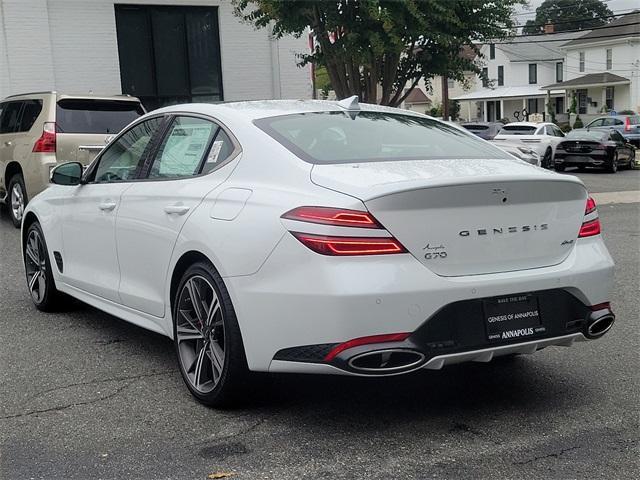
(581, 62)
(169, 54)
(500, 75)
(492, 51)
(532, 105)
(609, 58)
(485, 77)
(533, 73)
(559, 104)
(609, 96)
(559, 71)
(582, 101)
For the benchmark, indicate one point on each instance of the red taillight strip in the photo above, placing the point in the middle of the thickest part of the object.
(589, 229)
(601, 306)
(343, 246)
(591, 206)
(333, 216)
(356, 342)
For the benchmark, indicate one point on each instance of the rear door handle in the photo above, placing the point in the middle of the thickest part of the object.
(107, 206)
(176, 209)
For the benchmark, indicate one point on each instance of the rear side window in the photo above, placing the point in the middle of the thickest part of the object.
(518, 130)
(476, 128)
(342, 137)
(30, 113)
(95, 116)
(10, 120)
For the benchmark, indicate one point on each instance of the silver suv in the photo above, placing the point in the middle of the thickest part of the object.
(40, 130)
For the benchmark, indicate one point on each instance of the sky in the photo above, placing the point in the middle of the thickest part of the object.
(623, 6)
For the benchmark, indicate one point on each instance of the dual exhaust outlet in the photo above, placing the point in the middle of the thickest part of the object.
(391, 361)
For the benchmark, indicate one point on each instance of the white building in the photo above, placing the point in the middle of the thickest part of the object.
(164, 51)
(516, 71)
(602, 68)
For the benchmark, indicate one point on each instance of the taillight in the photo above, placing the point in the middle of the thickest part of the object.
(356, 342)
(627, 124)
(333, 216)
(339, 245)
(345, 246)
(591, 227)
(47, 141)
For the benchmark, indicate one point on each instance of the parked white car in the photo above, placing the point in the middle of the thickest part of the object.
(542, 137)
(320, 237)
(518, 150)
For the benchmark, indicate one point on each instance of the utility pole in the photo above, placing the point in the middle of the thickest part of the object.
(445, 97)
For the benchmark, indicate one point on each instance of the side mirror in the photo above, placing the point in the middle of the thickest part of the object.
(67, 174)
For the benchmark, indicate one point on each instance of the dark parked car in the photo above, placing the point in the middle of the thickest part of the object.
(594, 148)
(486, 130)
(627, 125)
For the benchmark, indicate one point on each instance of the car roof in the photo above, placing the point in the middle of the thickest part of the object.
(62, 96)
(256, 109)
(527, 124)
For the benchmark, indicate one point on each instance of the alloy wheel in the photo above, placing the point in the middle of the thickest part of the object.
(17, 201)
(200, 334)
(36, 266)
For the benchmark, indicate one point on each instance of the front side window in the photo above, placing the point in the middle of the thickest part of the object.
(533, 73)
(10, 120)
(183, 148)
(122, 160)
(336, 137)
(598, 122)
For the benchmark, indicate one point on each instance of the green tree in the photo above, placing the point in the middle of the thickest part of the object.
(568, 15)
(380, 49)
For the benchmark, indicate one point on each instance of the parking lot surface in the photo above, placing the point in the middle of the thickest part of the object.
(85, 395)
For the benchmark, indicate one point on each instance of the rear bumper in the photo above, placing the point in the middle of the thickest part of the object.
(300, 299)
(595, 160)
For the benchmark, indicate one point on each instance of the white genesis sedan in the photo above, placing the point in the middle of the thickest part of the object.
(319, 237)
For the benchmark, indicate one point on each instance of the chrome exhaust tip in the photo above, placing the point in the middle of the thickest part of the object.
(598, 326)
(387, 361)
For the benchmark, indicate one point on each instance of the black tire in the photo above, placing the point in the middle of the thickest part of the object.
(613, 165)
(560, 168)
(632, 160)
(16, 182)
(547, 160)
(234, 377)
(48, 300)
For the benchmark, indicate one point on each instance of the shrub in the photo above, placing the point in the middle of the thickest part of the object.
(565, 127)
(578, 123)
(626, 112)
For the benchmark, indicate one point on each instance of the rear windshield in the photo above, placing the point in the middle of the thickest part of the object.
(591, 135)
(518, 130)
(95, 116)
(348, 137)
(476, 128)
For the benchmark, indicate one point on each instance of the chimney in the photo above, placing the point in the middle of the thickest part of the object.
(549, 28)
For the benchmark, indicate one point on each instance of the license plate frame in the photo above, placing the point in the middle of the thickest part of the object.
(512, 317)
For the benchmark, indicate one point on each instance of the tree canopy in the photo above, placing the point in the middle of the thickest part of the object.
(380, 49)
(568, 15)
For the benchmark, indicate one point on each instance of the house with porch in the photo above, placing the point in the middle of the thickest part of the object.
(516, 70)
(602, 69)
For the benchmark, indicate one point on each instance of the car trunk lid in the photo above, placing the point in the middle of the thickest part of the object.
(468, 217)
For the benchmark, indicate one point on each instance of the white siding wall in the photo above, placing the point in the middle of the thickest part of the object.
(625, 63)
(71, 46)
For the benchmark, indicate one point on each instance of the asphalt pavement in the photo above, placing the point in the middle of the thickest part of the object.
(84, 395)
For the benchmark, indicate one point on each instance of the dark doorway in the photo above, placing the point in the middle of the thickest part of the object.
(169, 55)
